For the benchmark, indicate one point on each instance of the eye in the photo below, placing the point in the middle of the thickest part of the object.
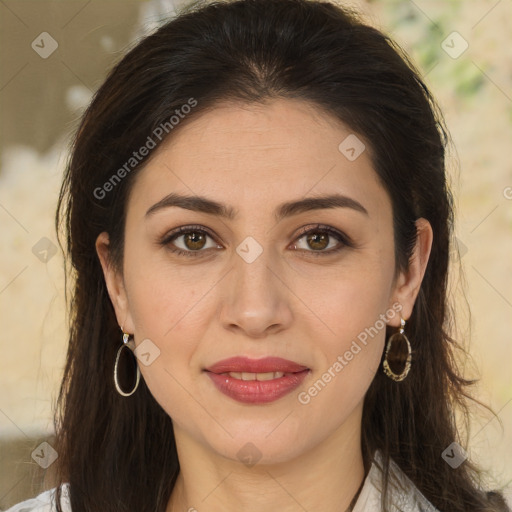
(194, 240)
(319, 238)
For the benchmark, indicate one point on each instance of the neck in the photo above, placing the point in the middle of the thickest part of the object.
(325, 478)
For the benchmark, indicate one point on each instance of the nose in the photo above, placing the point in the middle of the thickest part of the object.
(257, 298)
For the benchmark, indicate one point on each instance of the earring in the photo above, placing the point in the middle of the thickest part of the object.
(397, 361)
(130, 346)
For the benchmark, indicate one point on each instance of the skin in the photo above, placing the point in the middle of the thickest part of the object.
(287, 303)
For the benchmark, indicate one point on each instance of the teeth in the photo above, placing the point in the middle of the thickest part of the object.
(256, 376)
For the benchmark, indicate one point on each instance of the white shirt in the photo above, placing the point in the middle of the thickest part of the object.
(406, 498)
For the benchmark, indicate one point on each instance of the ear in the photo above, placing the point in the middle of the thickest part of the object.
(115, 284)
(408, 282)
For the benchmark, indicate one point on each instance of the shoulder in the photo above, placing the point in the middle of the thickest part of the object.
(44, 502)
(406, 497)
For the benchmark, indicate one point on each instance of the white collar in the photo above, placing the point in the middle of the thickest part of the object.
(405, 496)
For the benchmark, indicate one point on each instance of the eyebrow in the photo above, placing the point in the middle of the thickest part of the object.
(204, 205)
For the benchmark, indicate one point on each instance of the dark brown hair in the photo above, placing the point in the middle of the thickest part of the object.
(119, 454)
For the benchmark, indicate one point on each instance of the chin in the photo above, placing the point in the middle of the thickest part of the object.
(264, 443)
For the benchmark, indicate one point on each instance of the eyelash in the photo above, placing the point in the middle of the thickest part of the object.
(318, 228)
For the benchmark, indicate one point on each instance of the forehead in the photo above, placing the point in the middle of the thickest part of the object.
(254, 155)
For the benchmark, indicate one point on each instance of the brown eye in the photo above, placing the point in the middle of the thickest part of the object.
(194, 240)
(321, 241)
(318, 241)
(188, 241)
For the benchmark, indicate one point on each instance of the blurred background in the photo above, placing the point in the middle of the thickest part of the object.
(55, 54)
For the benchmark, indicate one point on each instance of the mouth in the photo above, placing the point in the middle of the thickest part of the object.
(256, 381)
(250, 367)
(255, 376)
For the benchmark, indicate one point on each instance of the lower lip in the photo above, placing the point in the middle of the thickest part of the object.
(257, 391)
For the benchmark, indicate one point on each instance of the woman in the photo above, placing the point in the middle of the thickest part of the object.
(257, 214)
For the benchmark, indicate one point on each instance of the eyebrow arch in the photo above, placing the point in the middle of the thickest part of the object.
(205, 205)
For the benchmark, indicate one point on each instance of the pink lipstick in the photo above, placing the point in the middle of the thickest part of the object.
(256, 381)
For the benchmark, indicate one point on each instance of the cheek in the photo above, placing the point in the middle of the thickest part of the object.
(349, 301)
(349, 352)
(165, 310)
(357, 319)
(352, 312)
(169, 305)
(163, 296)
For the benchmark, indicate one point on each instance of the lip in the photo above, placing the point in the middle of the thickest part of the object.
(266, 364)
(255, 391)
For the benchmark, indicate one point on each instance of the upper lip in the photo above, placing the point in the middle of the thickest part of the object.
(264, 365)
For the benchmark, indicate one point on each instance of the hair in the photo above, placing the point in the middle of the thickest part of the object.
(119, 454)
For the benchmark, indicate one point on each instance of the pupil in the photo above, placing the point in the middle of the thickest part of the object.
(318, 239)
(195, 238)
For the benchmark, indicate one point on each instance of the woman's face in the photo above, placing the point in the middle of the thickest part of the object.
(255, 284)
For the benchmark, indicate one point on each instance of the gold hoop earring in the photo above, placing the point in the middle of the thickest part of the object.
(130, 346)
(397, 361)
